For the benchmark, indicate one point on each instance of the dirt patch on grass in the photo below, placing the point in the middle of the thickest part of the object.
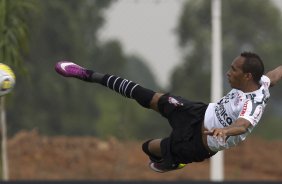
(36, 157)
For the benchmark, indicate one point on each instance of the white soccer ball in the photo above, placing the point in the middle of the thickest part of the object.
(7, 79)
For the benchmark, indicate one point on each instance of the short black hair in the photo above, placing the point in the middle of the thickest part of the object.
(253, 64)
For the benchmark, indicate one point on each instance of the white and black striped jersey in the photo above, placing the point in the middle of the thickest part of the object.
(236, 104)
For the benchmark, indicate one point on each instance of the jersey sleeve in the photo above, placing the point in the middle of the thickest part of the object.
(265, 81)
(251, 112)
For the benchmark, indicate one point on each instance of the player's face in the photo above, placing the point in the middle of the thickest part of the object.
(235, 74)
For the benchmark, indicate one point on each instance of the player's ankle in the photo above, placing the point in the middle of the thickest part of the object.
(97, 77)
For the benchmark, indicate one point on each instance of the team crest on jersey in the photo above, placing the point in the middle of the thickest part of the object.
(175, 102)
(238, 100)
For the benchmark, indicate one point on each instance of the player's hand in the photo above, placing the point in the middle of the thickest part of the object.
(218, 133)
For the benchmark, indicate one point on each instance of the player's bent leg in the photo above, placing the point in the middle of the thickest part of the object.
(152, 149)
(155, 147)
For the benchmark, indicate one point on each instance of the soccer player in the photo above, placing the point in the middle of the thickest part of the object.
(199, 130)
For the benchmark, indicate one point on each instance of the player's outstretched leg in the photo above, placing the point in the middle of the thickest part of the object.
(122, 86)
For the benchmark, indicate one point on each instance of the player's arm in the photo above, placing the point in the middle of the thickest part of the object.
(240, 126)
(274, 75)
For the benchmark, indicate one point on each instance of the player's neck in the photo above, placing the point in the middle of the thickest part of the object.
(250, 87)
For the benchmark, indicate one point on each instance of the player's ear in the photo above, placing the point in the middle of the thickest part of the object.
(248, 76)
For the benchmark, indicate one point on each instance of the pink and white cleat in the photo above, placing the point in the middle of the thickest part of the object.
(69, 69)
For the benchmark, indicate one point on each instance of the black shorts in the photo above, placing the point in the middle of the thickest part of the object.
(185, 144)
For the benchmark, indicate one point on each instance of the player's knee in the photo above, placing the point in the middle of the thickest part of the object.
(155, 100)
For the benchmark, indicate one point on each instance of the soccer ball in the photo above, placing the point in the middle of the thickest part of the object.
(7, 79)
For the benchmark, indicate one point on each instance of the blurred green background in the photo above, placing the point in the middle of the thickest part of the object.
(35, 34)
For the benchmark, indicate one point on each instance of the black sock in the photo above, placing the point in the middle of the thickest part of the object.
(128, 89)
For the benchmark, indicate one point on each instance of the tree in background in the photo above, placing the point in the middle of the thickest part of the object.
(253, 25)
(68, 30)
(13, 45)
(14, 30)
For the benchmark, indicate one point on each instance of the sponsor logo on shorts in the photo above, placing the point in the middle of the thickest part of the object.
(175, 102)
